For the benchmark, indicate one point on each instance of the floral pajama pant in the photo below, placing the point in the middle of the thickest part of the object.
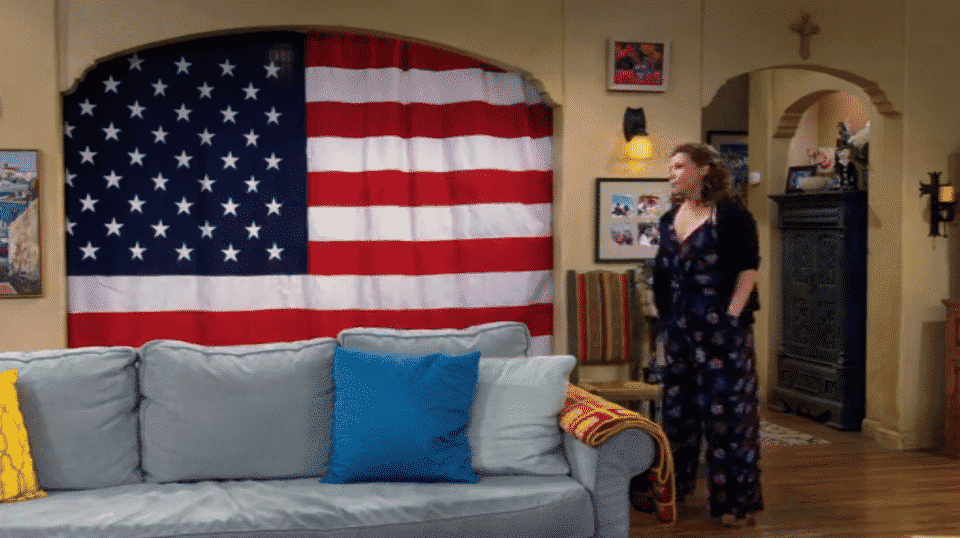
(710, 395)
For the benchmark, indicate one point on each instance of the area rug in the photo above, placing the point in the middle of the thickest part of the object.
(774, 436)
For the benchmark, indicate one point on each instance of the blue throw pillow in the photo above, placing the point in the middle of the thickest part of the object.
(401, 418)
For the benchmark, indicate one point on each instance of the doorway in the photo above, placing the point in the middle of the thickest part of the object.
(781, 104)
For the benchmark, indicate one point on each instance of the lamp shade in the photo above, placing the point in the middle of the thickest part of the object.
(640, 147)
(947, 194)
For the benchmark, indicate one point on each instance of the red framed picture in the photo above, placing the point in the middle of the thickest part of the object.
(637, 65)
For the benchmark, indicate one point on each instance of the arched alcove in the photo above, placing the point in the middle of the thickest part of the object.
(776, 108)
(306, 124)
(878, 96)
(532, 79)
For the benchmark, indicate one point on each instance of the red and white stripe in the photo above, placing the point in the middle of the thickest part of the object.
(430, 186)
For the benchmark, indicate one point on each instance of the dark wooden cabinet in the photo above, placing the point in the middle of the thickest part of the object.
(820, 359)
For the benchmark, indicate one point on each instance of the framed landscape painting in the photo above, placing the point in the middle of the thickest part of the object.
(628, 214)
(19, 223)
(733, 147)
(638, 65)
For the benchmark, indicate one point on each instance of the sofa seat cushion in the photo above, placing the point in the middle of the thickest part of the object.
(502, 506)
(80, 410)
(234, 412)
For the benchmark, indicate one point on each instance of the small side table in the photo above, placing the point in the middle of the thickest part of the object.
(951, 380)
(626, 392)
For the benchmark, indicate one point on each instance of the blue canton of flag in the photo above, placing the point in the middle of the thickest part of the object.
(189, 161)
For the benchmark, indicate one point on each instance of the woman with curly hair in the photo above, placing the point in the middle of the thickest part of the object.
(705, 292)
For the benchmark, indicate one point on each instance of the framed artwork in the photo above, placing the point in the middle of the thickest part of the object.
(628, 213)
(796, 175)
(637, 65)
(19, 223)
(732, 146)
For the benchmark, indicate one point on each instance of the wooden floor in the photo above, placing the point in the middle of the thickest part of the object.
(849, 488)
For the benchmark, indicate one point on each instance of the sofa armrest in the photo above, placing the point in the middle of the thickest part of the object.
(606, 471)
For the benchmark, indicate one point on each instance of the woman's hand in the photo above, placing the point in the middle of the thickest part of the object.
(746, 281)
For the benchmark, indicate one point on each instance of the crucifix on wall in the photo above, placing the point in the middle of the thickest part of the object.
(805, 28)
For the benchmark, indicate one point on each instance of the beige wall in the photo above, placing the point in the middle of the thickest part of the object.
(524, 35)
(807, 136)
(835, 108)
(897, 57)
(30, 119)
(730, 108)
(593, 120)
(931, 120)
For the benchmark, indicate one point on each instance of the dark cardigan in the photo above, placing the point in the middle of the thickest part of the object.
(739, 251)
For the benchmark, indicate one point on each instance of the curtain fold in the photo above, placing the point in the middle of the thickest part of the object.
(428, 166)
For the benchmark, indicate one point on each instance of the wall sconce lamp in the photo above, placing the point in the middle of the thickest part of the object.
(942, 202)
(639, 146)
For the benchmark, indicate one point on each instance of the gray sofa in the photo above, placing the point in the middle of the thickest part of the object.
(179, 440)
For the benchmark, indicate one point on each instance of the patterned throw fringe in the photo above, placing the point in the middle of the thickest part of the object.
(593, 420)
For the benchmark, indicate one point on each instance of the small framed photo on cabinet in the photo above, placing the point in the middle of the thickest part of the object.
(796, 175)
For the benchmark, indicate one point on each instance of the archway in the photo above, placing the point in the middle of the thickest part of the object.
(778, 96)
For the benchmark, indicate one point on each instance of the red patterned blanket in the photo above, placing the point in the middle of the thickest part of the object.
(593, 420)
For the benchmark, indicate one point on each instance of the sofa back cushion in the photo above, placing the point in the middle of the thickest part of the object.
(236, 412)
(497, 339)
(514, 427)
(80, 410)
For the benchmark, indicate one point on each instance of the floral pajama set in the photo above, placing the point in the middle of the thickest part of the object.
(710, 384)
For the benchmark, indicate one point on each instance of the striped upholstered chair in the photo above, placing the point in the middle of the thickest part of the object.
(606, 326)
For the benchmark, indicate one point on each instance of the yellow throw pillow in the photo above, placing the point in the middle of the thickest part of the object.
(18, 476)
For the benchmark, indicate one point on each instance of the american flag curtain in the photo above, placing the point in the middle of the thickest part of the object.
(276, 186)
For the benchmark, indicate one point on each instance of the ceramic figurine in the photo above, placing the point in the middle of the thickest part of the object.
(846, 171)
